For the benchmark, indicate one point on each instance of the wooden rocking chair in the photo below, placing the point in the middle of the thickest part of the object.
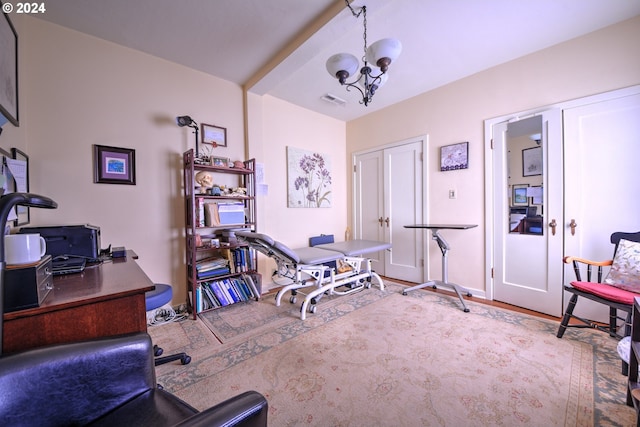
(618, 300)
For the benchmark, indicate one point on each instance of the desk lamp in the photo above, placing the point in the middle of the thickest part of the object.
(7, 202)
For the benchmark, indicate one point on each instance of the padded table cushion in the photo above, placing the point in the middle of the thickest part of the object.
(606, 291)
(316, 255)
(356, 247)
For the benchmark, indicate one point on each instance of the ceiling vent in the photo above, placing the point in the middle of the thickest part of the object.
(332, 99)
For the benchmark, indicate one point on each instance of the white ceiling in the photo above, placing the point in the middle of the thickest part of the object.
(443, 40)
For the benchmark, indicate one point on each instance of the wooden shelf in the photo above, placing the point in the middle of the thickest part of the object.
(200, 290)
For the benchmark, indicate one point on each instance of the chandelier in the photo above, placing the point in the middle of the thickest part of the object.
(381, 53)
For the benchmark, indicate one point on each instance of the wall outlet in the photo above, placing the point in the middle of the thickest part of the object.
(453, 194)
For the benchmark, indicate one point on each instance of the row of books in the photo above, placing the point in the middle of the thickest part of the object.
(223, 292)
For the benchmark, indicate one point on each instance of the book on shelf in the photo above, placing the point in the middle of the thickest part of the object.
(215, 288)
(202, 275)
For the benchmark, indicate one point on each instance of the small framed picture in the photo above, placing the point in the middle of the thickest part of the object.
(214, 135)
(532, 161)
(220, 161)
(454, 157)
(113, 165)
(519, 196)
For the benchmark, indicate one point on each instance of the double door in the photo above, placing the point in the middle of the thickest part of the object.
(388, 194)
(589, 173)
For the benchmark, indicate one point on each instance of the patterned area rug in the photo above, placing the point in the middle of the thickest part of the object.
(379, 358)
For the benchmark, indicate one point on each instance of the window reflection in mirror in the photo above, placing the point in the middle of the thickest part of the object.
(525, 176)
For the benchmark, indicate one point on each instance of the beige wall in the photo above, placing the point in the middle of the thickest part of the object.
(598, 62)
(77, 90)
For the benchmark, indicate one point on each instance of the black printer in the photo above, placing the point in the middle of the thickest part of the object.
(81, 241)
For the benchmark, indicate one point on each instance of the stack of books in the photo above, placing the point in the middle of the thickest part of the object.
(212, 267)
(223, 292)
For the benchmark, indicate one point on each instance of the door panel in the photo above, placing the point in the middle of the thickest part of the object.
(369, 203)
(601, 163)
(528, 266)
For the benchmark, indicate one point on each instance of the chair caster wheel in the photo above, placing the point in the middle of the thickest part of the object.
(157, 351)
(312, 309)
(466, 310)
(469, 294)
(185, 360)
(293, 300)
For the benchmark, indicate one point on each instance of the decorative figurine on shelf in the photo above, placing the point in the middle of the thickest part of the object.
(239, 191)
(204, 180)
(215, 191)
(238, 164)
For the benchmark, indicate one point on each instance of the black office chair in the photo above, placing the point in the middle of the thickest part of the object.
(155, 299)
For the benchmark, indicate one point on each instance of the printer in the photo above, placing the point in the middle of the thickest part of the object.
(81, 241)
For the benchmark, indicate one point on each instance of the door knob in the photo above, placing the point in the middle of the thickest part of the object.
(573, 226)
(553, 224)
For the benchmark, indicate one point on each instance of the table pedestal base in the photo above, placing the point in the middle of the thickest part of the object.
(439, 283)
(444, 248)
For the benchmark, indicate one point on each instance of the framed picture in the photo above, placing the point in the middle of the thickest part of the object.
(532, 161)
(113, 165)
(214, 135)
(20, 171)
(519, 196)
(220, 161)
(8, 70)
(455, 156)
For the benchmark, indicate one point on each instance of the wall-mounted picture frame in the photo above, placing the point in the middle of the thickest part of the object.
(519, 195)
(214, 135)
(532, 161)
(114, 165)
(454, 157)
(9, 70)
(23, 216)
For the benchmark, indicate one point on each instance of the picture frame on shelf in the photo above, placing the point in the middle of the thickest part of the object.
(23, 215)
(219, 161)
(114, 165)
(9, 71)
(214, 135)
(519, 195)
(454, 157)
(532, 161)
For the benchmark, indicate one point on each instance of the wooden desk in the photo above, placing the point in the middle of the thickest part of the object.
(105, 300)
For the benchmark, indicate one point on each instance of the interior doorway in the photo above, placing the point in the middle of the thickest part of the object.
(388, 194)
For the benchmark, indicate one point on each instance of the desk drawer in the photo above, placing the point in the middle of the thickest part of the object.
(27, 287)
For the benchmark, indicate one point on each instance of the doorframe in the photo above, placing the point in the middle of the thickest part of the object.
(424, 139)
(488, 164)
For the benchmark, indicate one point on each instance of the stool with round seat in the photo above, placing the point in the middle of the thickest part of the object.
(156, 298)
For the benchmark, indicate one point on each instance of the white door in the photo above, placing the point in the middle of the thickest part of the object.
(527, 253)
(388, 196)
(602, 154)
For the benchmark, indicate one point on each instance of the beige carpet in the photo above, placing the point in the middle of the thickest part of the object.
(378, 358)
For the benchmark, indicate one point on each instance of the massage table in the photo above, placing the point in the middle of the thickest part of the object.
(307, 267)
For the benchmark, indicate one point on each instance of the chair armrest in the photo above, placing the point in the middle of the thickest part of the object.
(248, 409)
(570, 259)
(578, 262)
